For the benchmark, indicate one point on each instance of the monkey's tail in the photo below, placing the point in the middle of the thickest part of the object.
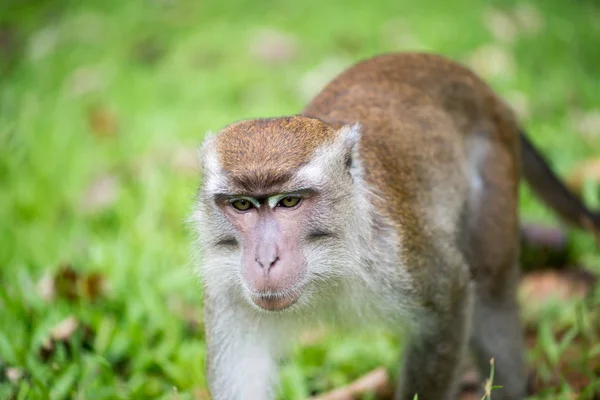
(548, 187)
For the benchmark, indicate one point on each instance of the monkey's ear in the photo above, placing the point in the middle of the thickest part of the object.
(208, 153)
(212, 173)
(350, 136)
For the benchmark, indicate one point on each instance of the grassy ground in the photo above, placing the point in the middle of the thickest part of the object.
(102, 104)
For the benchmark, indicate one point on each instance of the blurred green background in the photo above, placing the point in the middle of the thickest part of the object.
(102, 107)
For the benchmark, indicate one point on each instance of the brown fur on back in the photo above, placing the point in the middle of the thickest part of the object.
(418, 113)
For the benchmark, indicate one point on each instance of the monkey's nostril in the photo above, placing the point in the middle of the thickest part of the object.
(273, 262)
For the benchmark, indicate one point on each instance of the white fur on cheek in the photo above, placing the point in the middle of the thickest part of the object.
(219, 267)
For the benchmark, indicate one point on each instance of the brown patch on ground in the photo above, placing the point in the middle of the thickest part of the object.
(69, 284)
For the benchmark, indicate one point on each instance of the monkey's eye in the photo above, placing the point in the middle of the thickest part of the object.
(289, 201)
(241, 204)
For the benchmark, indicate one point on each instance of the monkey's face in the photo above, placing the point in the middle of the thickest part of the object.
(272, 232)
(276, 227)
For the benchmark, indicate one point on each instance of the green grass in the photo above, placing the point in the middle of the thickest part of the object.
(160, 74)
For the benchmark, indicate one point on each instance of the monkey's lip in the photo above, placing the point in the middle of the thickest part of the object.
(275, 301)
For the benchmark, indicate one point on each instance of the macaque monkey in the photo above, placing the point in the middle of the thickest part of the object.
(390, 201)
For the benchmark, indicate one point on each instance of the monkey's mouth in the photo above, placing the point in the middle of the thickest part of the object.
(277, 301)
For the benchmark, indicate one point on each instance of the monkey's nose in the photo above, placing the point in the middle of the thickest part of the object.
(267, 264)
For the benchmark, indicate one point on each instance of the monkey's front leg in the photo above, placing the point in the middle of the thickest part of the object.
(241, 361)
(433, 354)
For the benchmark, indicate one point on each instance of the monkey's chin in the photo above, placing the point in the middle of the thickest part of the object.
(275, 303)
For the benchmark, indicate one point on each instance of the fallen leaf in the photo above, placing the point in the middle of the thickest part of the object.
(543, 287)
(273, 46)
(46, 287)
(93, 286)
(64, 332)
(64, 329)
(100, 194)
(14, 375)
(376, 381)
(67, 283)
(102, 121)
(46, 349)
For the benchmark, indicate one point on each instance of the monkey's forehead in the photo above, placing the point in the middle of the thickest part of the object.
(276, 144)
